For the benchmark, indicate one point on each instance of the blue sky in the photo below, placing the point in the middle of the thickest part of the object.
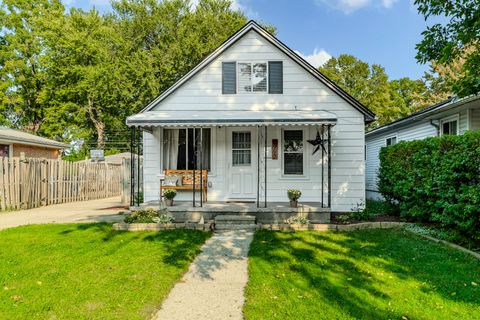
(377, 31)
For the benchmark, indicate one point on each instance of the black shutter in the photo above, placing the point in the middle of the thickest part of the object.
(229, 79)
(275, 77)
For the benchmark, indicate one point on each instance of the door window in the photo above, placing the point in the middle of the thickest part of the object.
(241, 148)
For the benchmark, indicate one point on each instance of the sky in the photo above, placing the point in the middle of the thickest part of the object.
(384, 32)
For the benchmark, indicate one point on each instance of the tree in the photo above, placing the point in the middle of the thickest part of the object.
(368, 84)
(457, 41)
(25, 91)
(408, 95)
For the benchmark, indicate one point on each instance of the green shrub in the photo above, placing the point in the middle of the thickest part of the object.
(294, 194)
(298, 219)
(142, 216)
(435, 180)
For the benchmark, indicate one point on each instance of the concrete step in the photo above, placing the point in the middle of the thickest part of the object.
(234, 218)
(222, 226)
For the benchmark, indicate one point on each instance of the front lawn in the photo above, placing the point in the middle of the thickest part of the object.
(89, 271)
(369, 274)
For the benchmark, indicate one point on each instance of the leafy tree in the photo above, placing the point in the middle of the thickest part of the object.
(368, 84)
(457, 41)
(24, 62)
(408, 95)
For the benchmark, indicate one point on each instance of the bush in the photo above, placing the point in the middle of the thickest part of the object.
(149, 216)
(435, 180)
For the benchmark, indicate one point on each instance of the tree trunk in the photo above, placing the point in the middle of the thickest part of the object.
(97, 123)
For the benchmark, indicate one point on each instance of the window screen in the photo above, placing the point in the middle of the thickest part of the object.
(241, 148)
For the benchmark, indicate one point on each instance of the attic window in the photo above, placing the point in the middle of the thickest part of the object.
(252, 77)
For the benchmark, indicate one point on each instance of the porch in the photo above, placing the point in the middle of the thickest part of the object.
(251, 159)
(273, 212)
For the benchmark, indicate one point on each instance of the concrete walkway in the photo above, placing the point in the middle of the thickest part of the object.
(82, 211)
(213, 286)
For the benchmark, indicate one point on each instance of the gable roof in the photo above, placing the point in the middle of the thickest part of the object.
(369, 116)
(20, 137)
(449, 103)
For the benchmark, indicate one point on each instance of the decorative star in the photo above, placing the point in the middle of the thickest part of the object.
(317, 143)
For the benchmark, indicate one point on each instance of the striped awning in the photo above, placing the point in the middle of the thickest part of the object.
(198, 118)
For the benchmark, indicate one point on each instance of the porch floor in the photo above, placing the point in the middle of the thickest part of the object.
(275, 212)
(239, 207)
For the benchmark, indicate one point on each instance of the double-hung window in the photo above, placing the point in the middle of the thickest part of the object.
(449, 126)
(293, 152)
(252, 77)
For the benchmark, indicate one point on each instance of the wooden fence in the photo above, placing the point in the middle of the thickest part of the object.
(39, 182)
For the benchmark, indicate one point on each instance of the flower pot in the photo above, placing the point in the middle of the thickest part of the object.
(293, 203)
(169, 202)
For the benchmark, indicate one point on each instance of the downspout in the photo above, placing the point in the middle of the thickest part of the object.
(436, 124)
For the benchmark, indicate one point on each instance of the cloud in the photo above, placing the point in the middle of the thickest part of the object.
(350, 6)
(99, 3)
(317, 58)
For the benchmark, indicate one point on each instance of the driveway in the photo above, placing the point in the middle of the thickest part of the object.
(102, 210)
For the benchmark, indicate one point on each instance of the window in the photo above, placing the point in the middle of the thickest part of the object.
(241, 148)
(178, 149)
(229, 79)
(275, 77)
(450, 126)
(390, 141)
(252, 77)
(293, 152)
(4, 150)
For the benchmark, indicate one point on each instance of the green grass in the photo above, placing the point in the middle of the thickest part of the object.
(89, 271)
(370, 274)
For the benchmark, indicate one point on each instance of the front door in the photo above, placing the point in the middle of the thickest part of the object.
(241, 159)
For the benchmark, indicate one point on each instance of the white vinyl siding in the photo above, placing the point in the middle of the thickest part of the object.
(300, 89)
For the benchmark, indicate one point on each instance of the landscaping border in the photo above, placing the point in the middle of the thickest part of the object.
(450, 244)
(160, 226)
(264, 226)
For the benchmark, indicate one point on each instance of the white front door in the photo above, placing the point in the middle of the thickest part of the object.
(241, 159)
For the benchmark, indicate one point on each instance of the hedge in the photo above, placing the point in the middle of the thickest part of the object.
(435, 180)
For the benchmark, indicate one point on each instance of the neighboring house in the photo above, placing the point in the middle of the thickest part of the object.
(251, 106)
(452, 116)
(15, 143)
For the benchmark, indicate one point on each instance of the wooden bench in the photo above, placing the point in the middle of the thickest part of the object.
(187, 181)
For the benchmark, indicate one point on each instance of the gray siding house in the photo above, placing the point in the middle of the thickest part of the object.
(452, 116)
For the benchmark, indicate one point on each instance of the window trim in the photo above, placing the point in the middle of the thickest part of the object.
(10, 149)
(390, 137)
(304, 164)
(452, 118)
(213, 150)
(238, 82)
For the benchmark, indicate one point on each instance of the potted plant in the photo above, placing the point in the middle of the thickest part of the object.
(294, 195)
(169, 194)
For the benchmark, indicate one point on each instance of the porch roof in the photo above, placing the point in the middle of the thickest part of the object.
(197, 118)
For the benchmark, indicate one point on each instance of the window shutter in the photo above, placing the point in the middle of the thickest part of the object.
(275, 77)
(229, 80)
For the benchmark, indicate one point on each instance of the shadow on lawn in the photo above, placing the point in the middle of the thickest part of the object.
(180, 246)
(335, 267)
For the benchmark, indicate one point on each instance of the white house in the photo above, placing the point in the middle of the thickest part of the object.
(452, 116)
(251, 106)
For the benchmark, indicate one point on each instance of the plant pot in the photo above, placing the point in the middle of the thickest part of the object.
(293, 203)
(169, 202)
